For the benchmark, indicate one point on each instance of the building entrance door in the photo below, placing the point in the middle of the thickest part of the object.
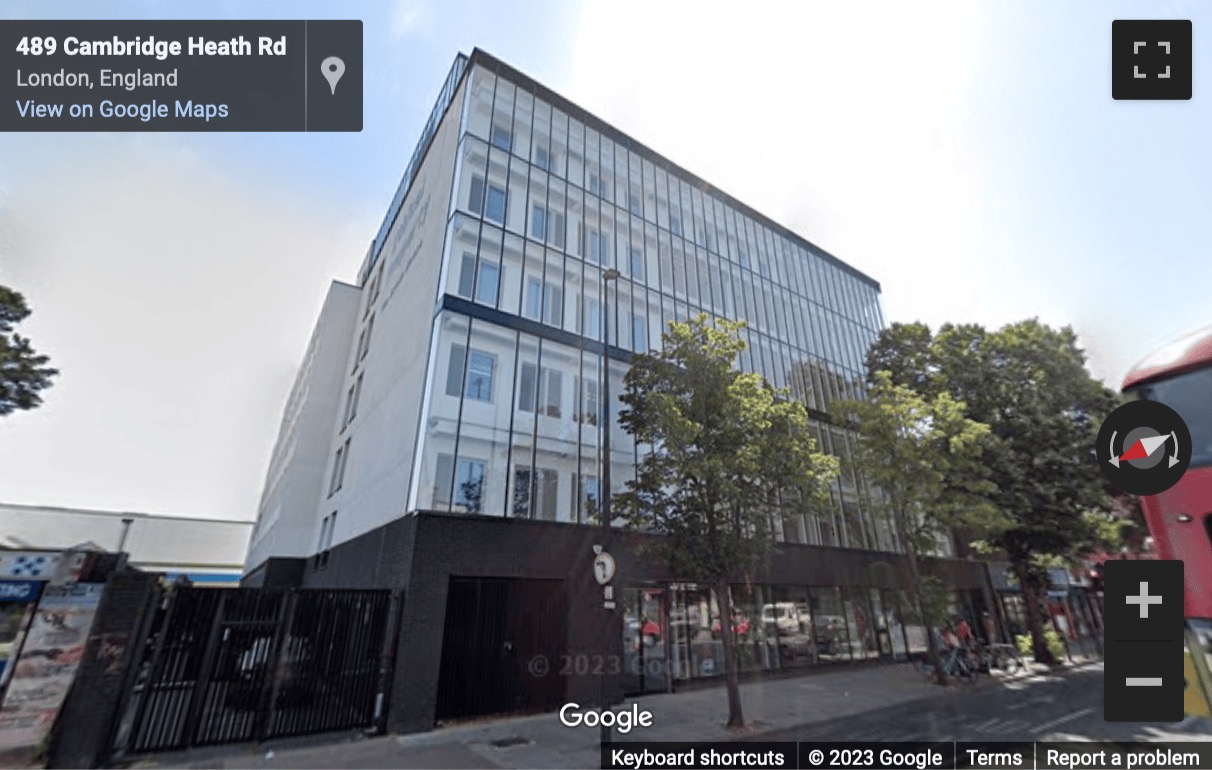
(495, 630)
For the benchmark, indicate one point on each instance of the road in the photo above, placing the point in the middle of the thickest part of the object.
(1035, 708)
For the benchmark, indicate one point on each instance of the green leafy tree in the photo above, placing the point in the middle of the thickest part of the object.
(1028, 382)
(730, 454)
(23, 372)
(923, 456)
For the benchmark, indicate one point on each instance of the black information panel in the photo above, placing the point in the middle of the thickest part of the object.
(1135, 755)
(181, 76)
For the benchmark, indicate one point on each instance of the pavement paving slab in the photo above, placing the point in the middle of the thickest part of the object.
(781, 706)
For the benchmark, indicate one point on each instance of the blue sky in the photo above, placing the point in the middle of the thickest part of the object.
(968, 156)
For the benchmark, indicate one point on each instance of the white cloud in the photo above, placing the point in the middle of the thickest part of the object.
(411, 17)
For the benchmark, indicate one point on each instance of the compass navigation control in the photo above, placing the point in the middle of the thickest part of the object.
(1144, 447)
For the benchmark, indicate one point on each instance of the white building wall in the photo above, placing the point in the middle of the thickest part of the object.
(374, 487)
(157, 543)
(286, 517)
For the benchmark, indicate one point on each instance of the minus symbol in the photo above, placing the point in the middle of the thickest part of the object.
(1143, 681)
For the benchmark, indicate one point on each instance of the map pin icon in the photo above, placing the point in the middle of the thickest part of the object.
(333, 68)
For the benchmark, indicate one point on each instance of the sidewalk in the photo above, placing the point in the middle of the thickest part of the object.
(542, 741)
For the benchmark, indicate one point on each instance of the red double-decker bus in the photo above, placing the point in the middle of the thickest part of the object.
(1180, 519)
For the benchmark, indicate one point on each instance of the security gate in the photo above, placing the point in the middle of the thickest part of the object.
(244, 664)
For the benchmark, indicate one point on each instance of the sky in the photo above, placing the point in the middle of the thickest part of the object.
(967, 156)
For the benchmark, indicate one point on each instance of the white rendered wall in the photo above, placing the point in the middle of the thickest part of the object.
(286, 517)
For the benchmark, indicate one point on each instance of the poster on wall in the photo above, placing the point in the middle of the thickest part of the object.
(47, 664)
(17, 601)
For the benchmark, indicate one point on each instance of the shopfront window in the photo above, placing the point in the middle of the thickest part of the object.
(860, 622)
(753, 652)
(913, 625)
(645, 641)
(829, 624)
(698, 650)
(787, 625)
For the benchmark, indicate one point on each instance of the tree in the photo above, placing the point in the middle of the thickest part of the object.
(923, 457)
(23, 372)
(1027, 382)
(730, 454)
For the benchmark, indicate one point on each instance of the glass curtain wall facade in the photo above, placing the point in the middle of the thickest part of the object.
(545, 199)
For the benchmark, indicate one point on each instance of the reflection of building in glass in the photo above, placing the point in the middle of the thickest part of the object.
(464, 378)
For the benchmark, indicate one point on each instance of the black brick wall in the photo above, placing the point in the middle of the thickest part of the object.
(276, 572)
(420, 553)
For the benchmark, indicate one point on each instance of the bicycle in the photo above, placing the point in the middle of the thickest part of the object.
(955, 666)
(1005, 657)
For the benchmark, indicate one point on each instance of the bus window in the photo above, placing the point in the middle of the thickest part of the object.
(1190, 395)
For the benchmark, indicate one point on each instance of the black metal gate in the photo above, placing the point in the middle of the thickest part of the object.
(245, 664)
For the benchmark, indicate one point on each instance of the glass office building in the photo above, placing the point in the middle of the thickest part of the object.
(444, 436)
(546, 198)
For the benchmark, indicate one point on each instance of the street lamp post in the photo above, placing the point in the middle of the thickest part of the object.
(608, 275)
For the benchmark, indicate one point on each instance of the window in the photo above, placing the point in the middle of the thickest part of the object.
(377, 284)
(489, 282)
(489, 278)
(637, 263)
(321, 559)
(546, 224)
(549, 388)
(332, 526)
(591, 323)
(443, 477)
(522, 481)
(467, 275)
(475, 197)
(534, 494)
(545, 301)
(600, 186)
(361, 348)
(555, 229)
(587, 488)
(553, 304)
(546, 490)
(675, 225)
(351, 405)
(538, 222)
(541, 159)
(550, 392)
(338, 469)
(326, 532)
(1187, 394)
(596, 246)
(533, 307)
(496, 204)
(480, 366)
(634, 202)
(639, 333)
(590, 407)
(372, 293)
(501, 136)
(469, 485)
(528, 380)
(370, 326)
